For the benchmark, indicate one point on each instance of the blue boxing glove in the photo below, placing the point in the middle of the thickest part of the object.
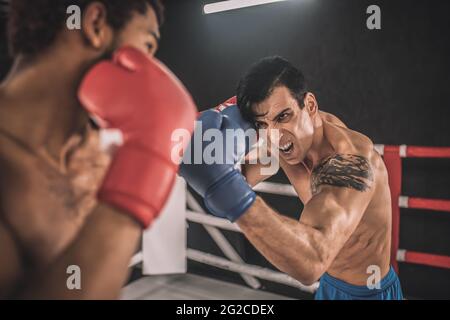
(233, 113)
(225, 191)
(231, 110)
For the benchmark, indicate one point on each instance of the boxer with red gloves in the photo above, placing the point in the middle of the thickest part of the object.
(57, 240)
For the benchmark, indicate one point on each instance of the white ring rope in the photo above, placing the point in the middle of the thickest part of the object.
(137, 258)
(276, 188)
(208, 220)
(253, 270)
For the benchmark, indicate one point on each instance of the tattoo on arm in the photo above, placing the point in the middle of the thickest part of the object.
(343, 170)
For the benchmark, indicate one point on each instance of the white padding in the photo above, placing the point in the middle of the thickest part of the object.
(110, 139)
(403, 202)
(380, 149)
(164, 244)
(401, 255)
(403, 150)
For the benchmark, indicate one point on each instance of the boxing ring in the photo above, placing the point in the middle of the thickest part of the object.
(251, 274)
(393, 156)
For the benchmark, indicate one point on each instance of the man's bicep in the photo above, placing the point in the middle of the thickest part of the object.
(342, 188)
(334, 219)
(11, 271)
(335, 211)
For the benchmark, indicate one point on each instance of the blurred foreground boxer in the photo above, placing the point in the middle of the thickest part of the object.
(50, 159)
(344, 233)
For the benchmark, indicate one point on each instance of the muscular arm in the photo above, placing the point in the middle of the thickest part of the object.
(305, 249)
(253, 173)
(102, 250)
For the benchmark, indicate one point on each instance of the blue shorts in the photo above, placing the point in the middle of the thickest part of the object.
(334, 289)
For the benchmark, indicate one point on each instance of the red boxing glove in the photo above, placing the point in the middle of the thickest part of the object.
(142, 98)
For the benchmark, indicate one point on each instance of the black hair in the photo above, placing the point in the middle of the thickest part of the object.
(34, 24)
(263, 77)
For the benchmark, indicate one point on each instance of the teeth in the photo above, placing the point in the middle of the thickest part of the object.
(286, 146)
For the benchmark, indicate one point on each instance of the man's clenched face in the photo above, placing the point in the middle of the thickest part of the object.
(281, 111)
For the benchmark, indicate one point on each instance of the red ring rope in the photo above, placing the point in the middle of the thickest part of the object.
(427, 152)
(392, 159)
(429, 204)
(427, 259)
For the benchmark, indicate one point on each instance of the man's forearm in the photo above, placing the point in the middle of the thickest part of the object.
(291, 246)
(102, 251)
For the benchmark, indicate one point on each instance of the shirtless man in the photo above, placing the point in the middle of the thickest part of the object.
(51, 163)
(345, 227)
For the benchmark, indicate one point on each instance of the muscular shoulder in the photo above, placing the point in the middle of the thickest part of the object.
(343, 170)
(332, 119)
(354, 166)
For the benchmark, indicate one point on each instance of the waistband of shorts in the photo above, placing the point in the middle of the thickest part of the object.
(348, 288)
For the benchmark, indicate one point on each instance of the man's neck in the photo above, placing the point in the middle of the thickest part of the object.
(320, 148)
(41, 104)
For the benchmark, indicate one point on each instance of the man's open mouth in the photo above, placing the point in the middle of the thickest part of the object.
(287, 148)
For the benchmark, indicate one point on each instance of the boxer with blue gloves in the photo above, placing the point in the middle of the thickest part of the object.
(343, 234)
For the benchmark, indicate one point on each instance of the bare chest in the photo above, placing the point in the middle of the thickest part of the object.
(46, 207)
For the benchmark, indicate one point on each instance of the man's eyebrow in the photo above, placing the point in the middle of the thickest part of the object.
(280, 113)
(265, 114)
(155, 35)
(261, 115)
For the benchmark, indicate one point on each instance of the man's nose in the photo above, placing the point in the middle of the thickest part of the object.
(273, 125)
(273, 137)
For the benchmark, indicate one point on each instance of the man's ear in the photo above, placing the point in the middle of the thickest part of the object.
(310, 103)
(95, 26)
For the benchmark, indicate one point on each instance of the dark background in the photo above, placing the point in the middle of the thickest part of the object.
(390, 84)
